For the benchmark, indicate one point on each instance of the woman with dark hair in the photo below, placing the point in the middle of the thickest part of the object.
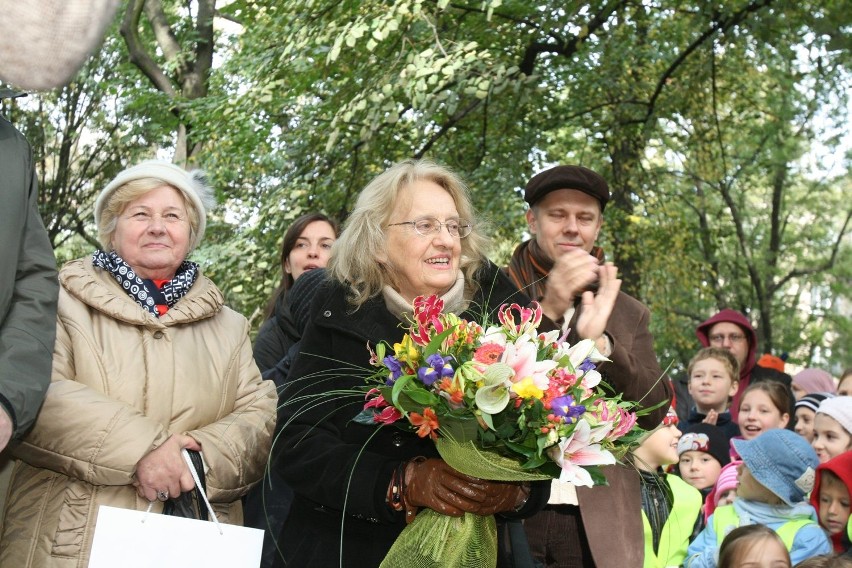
(306, 246)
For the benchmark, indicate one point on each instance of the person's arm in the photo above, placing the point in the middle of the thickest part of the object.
(810, 541)
(703, 551)
(633, 368)
(236, 446)
(27, 330)
(83, 433)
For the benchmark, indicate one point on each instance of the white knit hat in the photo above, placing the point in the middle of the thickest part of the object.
(839, 408)
(191, 184)
(43, 44)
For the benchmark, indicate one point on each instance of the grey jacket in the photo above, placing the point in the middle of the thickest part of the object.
(28, 285)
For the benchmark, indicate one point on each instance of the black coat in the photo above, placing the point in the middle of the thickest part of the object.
(333, 463)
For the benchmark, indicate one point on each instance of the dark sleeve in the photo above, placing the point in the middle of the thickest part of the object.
(28, 328)
(323, 455)
(270, 345)
(633, 369)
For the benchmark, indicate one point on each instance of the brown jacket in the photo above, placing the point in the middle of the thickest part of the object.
(123, 381)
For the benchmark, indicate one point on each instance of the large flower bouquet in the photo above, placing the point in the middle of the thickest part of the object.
(502, 402)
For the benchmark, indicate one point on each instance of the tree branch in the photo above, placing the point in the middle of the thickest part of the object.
(138, 55)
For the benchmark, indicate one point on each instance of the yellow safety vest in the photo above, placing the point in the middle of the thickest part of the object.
(677, 529)
(725, 519)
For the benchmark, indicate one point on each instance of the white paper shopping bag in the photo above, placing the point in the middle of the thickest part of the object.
(128, 538)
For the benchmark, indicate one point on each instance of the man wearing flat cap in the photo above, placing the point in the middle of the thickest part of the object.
(565, 271)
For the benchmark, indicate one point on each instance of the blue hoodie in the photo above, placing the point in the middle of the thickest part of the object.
(810, 541)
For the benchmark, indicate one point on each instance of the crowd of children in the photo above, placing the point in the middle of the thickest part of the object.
(772, 490)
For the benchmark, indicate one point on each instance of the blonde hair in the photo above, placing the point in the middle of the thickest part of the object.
(354, 255)
(129, 192)
(722, 355)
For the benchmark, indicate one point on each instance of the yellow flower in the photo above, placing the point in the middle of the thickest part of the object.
(525, 388)
(407, 351)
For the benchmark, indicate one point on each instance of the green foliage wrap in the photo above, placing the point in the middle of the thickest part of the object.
(439, 541)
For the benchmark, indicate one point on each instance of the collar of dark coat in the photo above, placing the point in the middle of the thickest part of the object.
(372, 318)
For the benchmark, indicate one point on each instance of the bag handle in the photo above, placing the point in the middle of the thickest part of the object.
(198, 487)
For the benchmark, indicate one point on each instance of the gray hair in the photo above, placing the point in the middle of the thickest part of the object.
(354, 255)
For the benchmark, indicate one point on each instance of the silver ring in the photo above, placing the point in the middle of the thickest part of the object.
(162, 495)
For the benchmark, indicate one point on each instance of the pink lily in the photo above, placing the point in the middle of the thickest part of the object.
(581, 448)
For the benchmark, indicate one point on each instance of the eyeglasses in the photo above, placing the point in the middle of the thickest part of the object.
(721, 337)
(426, 226)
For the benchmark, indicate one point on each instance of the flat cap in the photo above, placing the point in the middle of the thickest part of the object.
(567, 177)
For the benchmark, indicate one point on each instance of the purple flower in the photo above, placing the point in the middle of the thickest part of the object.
(586, 366)
(564, 406)
(438, 368)
(392, 363)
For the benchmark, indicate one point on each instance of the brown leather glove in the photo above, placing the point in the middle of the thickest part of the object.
(502, 496)
(434, 484)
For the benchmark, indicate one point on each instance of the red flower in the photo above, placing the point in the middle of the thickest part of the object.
(427, 311)
(388, 416)
(488, 354)
(427, 422)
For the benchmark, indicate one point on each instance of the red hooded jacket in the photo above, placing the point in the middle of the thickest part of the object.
(733, 316)
(841, 466)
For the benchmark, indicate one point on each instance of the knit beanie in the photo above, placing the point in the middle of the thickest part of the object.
(770, 361)
(813, 400)
(727, 481)
(191, 184)
(839, 408)
(706, 438)
(814, 380)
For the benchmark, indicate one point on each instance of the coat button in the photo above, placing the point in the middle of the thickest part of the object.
(326, 314)
(396, 439)
(158, 334)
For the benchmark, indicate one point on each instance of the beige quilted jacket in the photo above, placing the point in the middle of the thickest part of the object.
(122, 382)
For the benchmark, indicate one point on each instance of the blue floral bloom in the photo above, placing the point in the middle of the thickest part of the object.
(438, 368)
(392, 363)
(564, 406)
(586, 366)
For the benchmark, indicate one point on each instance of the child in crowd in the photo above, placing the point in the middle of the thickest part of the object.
(831, 499)
(811, 381)
(806, 408)
(702, 452)
(713, 380)
(763, 407)
(670, 507)
(753, 546)
(833, 428)
(844, 386)
(725, 490)
(775, 477)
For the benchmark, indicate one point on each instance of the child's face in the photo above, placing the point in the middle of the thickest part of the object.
(699, 469)
(833, 505)
(710, 385)
(751, 489)
(758, 414)
(844, 387)
(659, 449)
(765, 553)
(805, 423)
(830, 438)
(727, 497)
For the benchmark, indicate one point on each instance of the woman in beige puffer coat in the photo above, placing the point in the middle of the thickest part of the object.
(130, 388)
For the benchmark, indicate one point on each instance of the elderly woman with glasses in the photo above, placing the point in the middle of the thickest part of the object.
(148, 361)
(412, 233)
